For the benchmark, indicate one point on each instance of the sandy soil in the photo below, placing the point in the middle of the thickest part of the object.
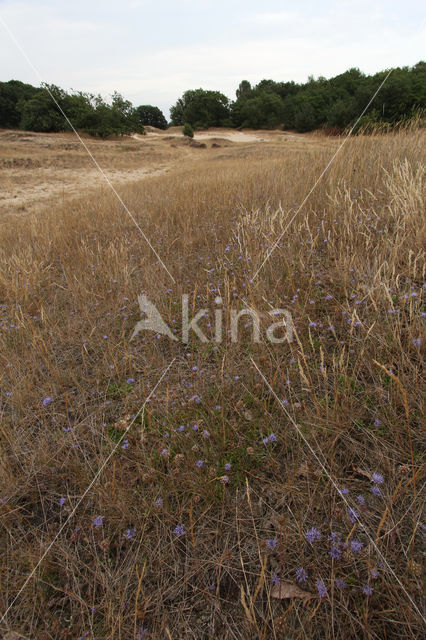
(233, 136)
(38, 169)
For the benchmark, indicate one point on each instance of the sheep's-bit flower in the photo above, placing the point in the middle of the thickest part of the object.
(47, 401)
(335, 553)
(352, 515)
(340, 584)
(130, 533)
(356, 546)
(375, 490)
(179, 530)
(271, 543)
(368, 590)
(301, 575)
(312, 535)
(97, 522)
(377, 478)
(321, 588)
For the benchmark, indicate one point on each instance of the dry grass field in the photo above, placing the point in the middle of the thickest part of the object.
(211, 490)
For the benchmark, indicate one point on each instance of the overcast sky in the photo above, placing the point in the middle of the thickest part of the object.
(151, 51)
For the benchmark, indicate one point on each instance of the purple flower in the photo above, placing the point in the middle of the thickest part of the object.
(343, 491)
(206, 433)
(352, 515)
(377, 478)
(368, 590)
(321, 588)
(275, 579)
(125, 444)
(199, 463)
(159, 502)
(179, 530)
(227, 466)
(356, 546)
(47, 401)
(130, 380)
(265, 440)
(301, 575)
(335, 553)
(130, 533)
(340, 584)
(97, 522)
(361, 499)
(271, 543)
(375, 490)
(374, 573)
(142, 632)
(272, 437)
(62, 501)
(312, 535)
(335, 537)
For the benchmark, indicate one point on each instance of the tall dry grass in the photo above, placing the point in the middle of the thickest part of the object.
(350, 268)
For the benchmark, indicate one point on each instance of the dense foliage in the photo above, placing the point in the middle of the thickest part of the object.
(43, 109)
(202, 109)
(188, 131)
(151, 116)
(333, 104)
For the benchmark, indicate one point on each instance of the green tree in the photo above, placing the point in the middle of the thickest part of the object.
(40, 113)
(201, 109)
(244, 89)
(12, 93)
(262, 111)
(151, 116)
(304, 118)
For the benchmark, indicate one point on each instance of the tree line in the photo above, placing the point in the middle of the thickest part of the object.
(332, 104)
(23, 106)
(318, 103)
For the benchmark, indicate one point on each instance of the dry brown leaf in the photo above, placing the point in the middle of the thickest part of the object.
(284, 590)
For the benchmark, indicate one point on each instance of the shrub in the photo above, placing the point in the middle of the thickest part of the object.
(188, 130)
